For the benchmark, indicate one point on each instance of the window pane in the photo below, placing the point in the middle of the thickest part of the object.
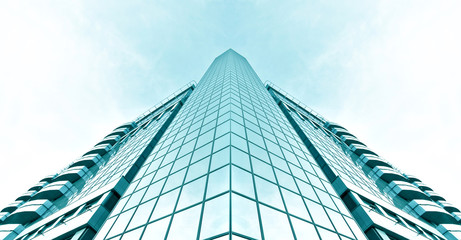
(215, 217)
(218, 182)
(307, 190)
(118, 208)
(286, 180)
(245, 217)
(355, 228)
(185, 224)
(304, 230)
(142, 214)
(239, 142)
(235, 237)
(181, 162)
(222, 142)
(268, 193)
(275, 224)
(325, 199)
(318, 213)
(262, 169)
(165, 204)
(120, 223)
(156, 230)
(145, 181)
(174, 180)
(279, 162)
(134, 199)
(105, 228)
(162, 172)
(327, 234)
(242, 182)
(192, 193)
(153, 190)
(295, 205)
(198, 169)
(133, 234)
(240, 159)
(339, 223)
(220, 158)
(201, 153)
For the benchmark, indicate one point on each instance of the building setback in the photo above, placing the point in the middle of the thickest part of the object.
(230, 158)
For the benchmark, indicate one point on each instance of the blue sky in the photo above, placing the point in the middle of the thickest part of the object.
(71, 71)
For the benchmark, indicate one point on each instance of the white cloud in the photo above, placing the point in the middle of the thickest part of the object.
(55, 93)
(404, 97)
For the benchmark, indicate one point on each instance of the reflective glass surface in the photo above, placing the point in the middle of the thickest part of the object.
(230, 165)
(332, 150)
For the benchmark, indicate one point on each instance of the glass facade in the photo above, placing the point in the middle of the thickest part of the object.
(230, 164)
(230, 158)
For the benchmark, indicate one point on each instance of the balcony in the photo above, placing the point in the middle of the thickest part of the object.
(48, 178)
(118, 132)
(448, 206)
(435, 196)
(26, 196)
(12, 206)
(372, 161)
(38, 186)
(29, 212)
(422, 186)
(404, 190)
(350, 140)
(339, 128)
(3, 216)
(360, 149)
(386, 174)
(129, 125)
(110, 140)
(56, 190)
(331, 125)
(430, 211)
(88, 161)
(457, 216)
(450, 231)
(10, 231)
(73, 174)
(341, 132)
(99, 149)
(412, 178)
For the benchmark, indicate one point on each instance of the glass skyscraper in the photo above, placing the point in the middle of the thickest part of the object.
(230, 158)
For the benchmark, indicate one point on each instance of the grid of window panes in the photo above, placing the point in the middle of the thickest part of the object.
(230, 166)
(122, 157)
(332, 152)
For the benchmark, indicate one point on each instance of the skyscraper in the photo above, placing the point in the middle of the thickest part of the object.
(230, 158)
